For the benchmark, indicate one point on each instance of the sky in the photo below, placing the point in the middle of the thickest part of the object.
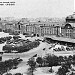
(38, 8)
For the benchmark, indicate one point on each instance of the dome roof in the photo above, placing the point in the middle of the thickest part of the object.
(68, 26)
(71, 16)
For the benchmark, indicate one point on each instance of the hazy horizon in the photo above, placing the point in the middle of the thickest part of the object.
(38, 8)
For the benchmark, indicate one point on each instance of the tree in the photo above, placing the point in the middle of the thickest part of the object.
(72, 73)
(51, 60)
(0, 58)
(32, 66)
(73, 57)
(68, 64)
(39, 60)
(63, 70)
(70, 58)
(60, 59)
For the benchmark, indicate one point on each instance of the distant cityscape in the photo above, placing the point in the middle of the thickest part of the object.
(64, 27)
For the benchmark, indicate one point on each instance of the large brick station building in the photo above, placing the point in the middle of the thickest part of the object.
(45, 28)
(65, 29)
(69, 29)
(59, 28)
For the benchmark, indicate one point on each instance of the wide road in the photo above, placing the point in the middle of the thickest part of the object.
(25, 55)
(22, 68)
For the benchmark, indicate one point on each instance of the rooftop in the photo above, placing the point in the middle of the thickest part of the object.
(61, 39)
(71, 16)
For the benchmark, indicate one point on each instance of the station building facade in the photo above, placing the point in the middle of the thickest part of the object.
(62, 29)
(44, 28)
(69, 29)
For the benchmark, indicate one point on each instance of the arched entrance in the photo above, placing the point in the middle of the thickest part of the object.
(68, 30)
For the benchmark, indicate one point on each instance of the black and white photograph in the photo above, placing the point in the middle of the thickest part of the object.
(37, 37)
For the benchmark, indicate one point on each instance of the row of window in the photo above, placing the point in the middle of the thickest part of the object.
(68, 35)
(30, 28)
(49, 30)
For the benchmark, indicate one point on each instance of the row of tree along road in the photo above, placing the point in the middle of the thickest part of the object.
(7, 65)
(50, 61)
